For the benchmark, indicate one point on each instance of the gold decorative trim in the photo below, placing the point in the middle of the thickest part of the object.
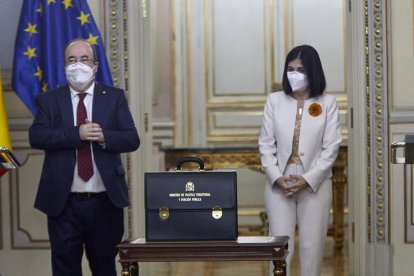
(380, 122)
(115, 27)
(125, 46)
(377, 124)
(342, 102)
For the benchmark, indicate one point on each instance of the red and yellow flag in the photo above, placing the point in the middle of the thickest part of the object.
(4, 127)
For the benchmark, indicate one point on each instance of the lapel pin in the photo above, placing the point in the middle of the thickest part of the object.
(104, 92)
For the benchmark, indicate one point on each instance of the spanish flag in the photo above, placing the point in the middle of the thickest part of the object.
(4, 127)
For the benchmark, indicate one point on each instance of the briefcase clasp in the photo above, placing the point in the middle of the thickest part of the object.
(217, 212)
(164, 213)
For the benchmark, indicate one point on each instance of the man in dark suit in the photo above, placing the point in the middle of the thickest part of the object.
(83, 128)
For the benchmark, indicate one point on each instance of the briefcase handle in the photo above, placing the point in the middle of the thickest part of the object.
(183, 160)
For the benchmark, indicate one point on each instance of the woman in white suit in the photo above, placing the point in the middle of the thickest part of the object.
(298, 143)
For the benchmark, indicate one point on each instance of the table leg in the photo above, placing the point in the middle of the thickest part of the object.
(129, 269)
(134, 268)
(125, 269)
(279, 268)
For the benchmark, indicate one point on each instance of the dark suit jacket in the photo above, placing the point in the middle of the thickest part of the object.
(54, 132)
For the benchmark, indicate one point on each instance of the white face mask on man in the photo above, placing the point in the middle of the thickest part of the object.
(298, 81)
(79, 75)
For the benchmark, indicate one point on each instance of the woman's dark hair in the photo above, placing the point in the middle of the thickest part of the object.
(313, 68)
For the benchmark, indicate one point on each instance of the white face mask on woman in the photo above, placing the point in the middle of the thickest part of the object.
(298, 81)
(79, 75)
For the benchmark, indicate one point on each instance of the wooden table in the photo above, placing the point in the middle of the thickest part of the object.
(250, 248)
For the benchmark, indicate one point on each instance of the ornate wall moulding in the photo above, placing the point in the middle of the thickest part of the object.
(376, 120)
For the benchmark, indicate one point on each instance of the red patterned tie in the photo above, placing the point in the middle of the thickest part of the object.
(85, 168)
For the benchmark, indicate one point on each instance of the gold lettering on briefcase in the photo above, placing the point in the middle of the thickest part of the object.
(189, 195)
(217, 212)
(164, 213)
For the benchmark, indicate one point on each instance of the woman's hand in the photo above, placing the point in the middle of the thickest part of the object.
(299, 184)
(282, 183)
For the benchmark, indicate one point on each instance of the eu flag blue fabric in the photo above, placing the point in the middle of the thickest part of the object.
(45, 27)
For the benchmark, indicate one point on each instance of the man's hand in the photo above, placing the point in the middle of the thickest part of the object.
(91, 132)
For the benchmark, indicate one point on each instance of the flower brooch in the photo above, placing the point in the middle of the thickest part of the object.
(315, 109)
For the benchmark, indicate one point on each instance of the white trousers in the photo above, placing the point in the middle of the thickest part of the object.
(310, 211)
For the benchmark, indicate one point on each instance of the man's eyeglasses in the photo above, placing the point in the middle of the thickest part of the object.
(73, 60)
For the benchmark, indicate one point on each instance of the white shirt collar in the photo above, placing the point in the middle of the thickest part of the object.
(90, 90)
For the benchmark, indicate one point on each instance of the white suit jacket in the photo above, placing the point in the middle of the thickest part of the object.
(319, 141)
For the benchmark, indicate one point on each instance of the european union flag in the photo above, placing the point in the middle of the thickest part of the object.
(45, 27)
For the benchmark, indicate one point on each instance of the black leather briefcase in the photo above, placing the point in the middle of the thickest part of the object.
(191, 205)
